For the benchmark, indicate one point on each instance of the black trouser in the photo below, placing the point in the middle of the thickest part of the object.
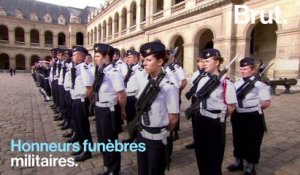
(130, 108)
(81, 120)
(68, 108)
(209, 137)
(47, 87)
(248, 131)
(61, 98)
(177, 127)
(152, 161)
(105, 132)
(54, 87)
(41, 82)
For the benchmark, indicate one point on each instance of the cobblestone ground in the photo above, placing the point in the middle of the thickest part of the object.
(24, 115)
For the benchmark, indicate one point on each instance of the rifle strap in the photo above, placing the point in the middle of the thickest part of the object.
(224, 86)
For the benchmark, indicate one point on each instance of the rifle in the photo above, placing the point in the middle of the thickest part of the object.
(99, 74)
(193, 89)
(207, 89)
(143, 105)
(73, 75)
(243, 90)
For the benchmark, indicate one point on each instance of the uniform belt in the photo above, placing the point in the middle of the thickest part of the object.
(131, 93)
(105, 104)
(163, 135)
(213, 114)
(250, 109)
(79, 98)
(153, 130)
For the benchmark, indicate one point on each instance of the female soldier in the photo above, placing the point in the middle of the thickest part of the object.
(209, 122)
(110, 104)
(197, 75)
(163, 115)
(247, 121)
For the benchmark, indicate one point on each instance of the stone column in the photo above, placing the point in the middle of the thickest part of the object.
(120, 24)
(11, 37)
(12, 62)
(128, 20)
(167, 8)
(42, 39)
(55, 40)
(138, 14)
(113, 29)
(27, 38)
(188, 62)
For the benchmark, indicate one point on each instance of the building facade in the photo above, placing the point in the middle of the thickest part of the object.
(192, 25)
(29, 29)
(197, 24)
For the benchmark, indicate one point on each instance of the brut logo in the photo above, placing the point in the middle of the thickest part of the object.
(243, 15)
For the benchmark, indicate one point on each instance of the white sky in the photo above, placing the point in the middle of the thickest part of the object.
(75, 3)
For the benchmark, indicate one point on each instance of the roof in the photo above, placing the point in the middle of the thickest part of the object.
(27, 7)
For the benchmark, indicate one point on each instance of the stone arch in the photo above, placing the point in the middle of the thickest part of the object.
(79, 38)
(19, 35)
(61, 39)
(33, 59)
(20, 62)
(3, 33)
(95, 34)
(158, 5)
(92, 37)
(110, 23)
(178, 41)
(88, 38)
(116, 22)
(203, 40)
(4, 61)
(49, 38)
(143, 10)
(133, 14)
(104, 30)
(176, 1)
(249, 27)
(99, 32)
(262, 43)
(34, 36)
(124, 18)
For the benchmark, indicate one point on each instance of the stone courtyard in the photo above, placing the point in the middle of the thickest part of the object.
(24, 115)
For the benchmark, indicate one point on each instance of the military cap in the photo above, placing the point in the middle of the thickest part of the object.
(80, 49)
(132, 52)
(151, 48)
(201, 55)
(206, 53)
(68, 52)
(100, 47)
(247, 61)
(54, 50)
(117, 51)
(59, 50)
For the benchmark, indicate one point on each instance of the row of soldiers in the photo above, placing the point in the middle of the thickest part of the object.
(145, 92)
